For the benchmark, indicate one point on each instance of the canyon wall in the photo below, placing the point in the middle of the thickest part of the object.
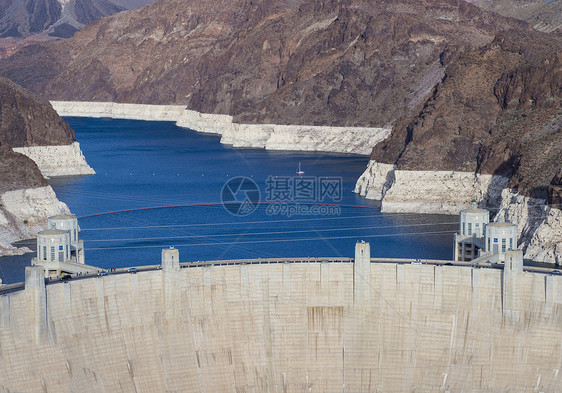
(25, 200)
(286, 327)
(34, 143)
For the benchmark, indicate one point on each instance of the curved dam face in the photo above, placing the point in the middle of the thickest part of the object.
(285, 327)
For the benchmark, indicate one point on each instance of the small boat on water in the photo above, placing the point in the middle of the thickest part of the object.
(300, 171)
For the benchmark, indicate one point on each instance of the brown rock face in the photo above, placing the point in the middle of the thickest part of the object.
(497, 111)
(554, 191)
(337, 62)
(9, 46)
(27, 120)
(18, 171)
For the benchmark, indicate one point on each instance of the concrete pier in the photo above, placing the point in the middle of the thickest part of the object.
(37, 300)
(362, 272)
(512, 277)
(170, 279)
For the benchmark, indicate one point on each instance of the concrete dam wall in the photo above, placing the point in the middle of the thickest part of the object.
(286, 327)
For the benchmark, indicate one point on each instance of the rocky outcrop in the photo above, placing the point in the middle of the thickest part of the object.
(52, 161)
(440, 192)
(23, 213)
(554, 191)
(375, 181)
(118, 110)
(495, 122)
(208, 123)
(31, 126)
(18, 171)
(497, 111)
(9, 46)
(203, 122)
(25, 200)
(28, 120)
(539, 225)
(310, 138)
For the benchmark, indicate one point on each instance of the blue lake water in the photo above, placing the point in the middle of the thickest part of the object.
(163, 184)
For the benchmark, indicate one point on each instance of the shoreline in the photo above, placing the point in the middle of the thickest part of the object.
(354, 140)
(428, 192)
(58, 160)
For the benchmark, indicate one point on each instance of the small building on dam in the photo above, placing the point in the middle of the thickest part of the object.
(301, 325)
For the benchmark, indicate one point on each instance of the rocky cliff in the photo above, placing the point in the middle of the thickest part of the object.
(31, 126)
(25, 200)
(497, 111)
(28, 120)
(18, 171)
(554, 191)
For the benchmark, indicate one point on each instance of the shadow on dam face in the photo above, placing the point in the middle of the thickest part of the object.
(298, 327)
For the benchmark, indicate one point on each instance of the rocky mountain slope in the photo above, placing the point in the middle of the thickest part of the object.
(489, 132)
(543, 15)
(27, 120)
(24, 18)
(497, 111)
(554, 191)
(26, 22)
(337, 62)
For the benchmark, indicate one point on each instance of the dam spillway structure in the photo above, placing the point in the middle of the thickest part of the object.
(300, 325)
